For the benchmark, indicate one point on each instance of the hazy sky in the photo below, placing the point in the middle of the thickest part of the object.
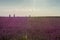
(30, 7)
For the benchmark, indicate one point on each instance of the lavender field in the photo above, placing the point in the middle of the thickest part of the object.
(29, 28)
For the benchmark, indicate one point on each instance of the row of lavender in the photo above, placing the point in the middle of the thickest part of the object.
(29, 28)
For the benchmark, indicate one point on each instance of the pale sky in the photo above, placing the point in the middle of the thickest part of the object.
(30, 7)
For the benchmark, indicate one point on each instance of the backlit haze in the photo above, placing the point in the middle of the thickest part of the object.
(30, 7)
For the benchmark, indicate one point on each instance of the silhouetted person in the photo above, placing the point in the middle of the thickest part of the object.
(9, 15)
(14, 15)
